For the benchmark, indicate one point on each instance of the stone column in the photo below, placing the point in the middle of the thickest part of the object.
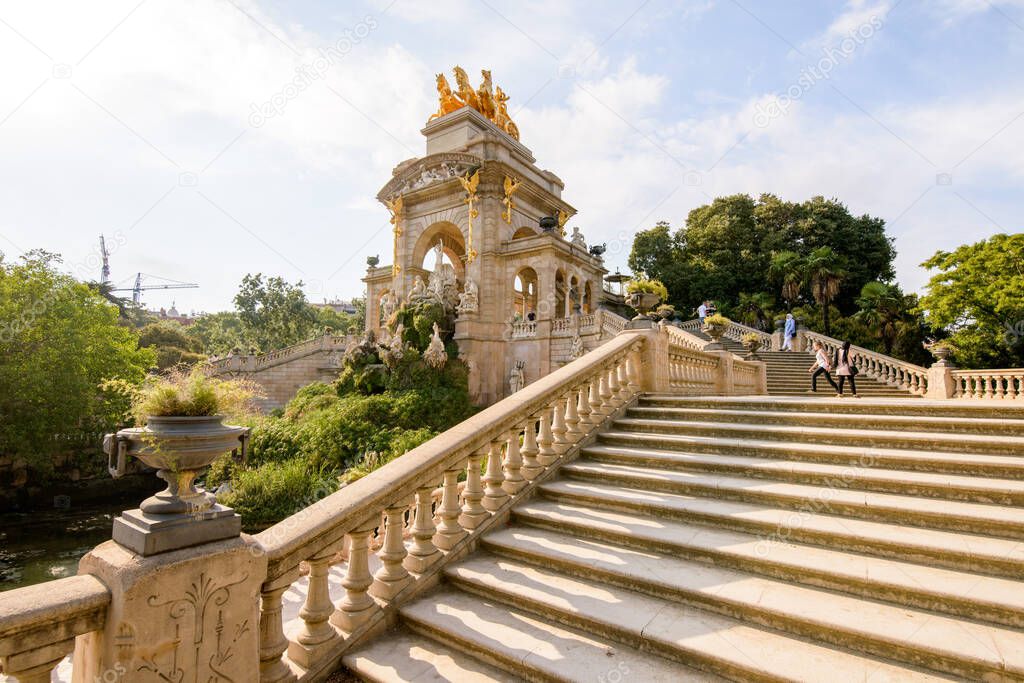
(940, 380)
(189, 614)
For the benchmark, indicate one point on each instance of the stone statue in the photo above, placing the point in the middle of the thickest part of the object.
(388, 304)
(517, 378)
(435, 356)
(419, 290)
(469, 299)
(446, 100)
(438, 253)
(577, 238)
(576, 347)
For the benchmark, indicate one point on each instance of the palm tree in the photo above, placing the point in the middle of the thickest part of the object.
(884, 309)
(753, 309)
(788, 268)
(825, 273)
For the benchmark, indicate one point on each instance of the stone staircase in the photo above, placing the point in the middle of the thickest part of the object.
(743, 539)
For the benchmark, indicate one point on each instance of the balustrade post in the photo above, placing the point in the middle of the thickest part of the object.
(357, 606)
(423, 552)
(514, 481)
(613, 389)
(316, 635)
(494, 495)
(546, 453)
(623, 379)
(473, 512)
(606, 395)
(392, 576)
(633, 370)
(449, 531)
(573, 433)
(531, 466)
(594, 399)
(273, 642)
(583, 409)
(560, 443)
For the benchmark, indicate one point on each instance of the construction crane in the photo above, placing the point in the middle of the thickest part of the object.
(105, 273)
(139, 288)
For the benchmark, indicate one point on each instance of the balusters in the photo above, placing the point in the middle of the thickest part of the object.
(620, 370)
(273, 642)
(546, 453)
(423, 552)
(514, 481)
(357, 606)
(593, 398)
(633, 370)
(531, 465)
(583, 408)
(560, 442)
(473, 511)
(494, 495)
(613, 388)
(449, 531)
(392, 577)
(573, 433)
(316, 635)
(606, 395)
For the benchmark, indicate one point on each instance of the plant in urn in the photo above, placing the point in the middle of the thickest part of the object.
(643, 296)
(183, 432)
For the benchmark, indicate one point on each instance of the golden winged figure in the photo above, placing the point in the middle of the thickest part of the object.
(511, 185)
(470, 183)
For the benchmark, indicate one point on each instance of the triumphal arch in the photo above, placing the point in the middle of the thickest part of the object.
(477, 217)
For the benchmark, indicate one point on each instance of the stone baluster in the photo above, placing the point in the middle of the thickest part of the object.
(449, 531)
(531, 466)
(613, 387)
(546, 453)
(514, 481)
(357, 606)
(1011, 387)
(560, 443)
(494, 495)
(593, 399)
(606, 395)
(317, 635)
(583, 408)
(423, 552)
(633, 371)
(620, 369)
(473, 512)
(392, 577)
(573, 433)
(273, 642)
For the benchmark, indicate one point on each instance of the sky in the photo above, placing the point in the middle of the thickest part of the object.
(175, 128)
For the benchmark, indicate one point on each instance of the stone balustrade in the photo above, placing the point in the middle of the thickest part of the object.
(39, 624)
(256, 362)
(691, 370)
(988, 384)
(892, 371)
(523, 329)
(734, 331)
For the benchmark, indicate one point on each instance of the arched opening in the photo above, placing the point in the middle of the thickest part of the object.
(588, 300)
(453, 249)
(523, 233)
(524, 294)
(560, 295)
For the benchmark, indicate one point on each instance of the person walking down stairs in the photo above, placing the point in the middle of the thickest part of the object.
(789, 333)
(821, 366)
(846, 370)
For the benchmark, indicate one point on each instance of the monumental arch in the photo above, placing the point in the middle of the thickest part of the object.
(476, 203)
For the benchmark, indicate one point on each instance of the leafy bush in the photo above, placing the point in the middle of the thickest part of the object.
(717, 319)
(269, 493)
(648, 286)
(189, 394)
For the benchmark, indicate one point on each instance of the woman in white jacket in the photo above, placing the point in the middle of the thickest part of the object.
(821, 366)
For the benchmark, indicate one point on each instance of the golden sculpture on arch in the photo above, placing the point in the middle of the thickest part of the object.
(563, 218)
(395, 207)
(488, 99)
(447, 101)
(511, 185)
(469, 184)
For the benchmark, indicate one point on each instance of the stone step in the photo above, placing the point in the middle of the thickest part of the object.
(956, 593)
(959, 551)
(865, 476)
(403, 656)
(833, 436)
(939, 462)
(534, 648)
(710, 641)
(1012, 410)
(841, 420)
(993, 520)
(957, 647)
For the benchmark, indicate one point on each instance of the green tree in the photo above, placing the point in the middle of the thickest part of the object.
(274, 313)
(825, 273)
(977, 296)
(219, 333)
(886, 311)
(787, 268)
(172, 343)
(59, 341)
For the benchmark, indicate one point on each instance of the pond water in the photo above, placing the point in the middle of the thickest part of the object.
(45, 545)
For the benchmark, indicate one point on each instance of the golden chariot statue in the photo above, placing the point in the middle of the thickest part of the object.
(489, 100)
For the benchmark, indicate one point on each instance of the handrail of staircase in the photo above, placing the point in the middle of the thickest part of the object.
(568, 405)
(611, 322)
(886, 369)
(39, 624)
(988, 384)
(252, 363)
(683, 337)
(695, 371)
(734, 331)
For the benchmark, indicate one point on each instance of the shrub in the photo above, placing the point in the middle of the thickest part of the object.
(273, 491)
(189, 394)
(717, 319)
(649, 286)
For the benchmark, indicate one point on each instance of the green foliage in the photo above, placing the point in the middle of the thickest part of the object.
(59, 341)
(172, 343)
(188, 394)
(269, 493)
(977, 296)
(649, 287)
(274, 313)
(717, 320)
(219, 333)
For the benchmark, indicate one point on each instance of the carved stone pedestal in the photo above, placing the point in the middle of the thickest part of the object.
(149, 534)
(185, 615)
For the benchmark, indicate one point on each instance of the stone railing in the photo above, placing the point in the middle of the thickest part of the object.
(691, 370)
(521, 439)
(886, 369)
(734, 331)
(611, 323)
(523, 329)
(681, 337)
(39, 624)
(255, 363)
(585, 324)
(988, 384)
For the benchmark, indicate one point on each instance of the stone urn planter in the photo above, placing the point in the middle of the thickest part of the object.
(751, 343)
(715, 331)
(643, 303)
(942, 352)
(180, 448)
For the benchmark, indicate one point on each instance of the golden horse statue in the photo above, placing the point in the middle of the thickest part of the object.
(501, 118)
(447, 102)
(485, 93)
(466, 92)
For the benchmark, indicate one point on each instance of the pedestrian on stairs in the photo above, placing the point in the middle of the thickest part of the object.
(789, 333)
(702, 312)
(821, 366)
(845, 369)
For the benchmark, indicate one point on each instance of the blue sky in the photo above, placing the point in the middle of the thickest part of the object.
(134, 119)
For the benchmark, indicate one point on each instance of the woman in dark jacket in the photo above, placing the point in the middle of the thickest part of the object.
(845, 369)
